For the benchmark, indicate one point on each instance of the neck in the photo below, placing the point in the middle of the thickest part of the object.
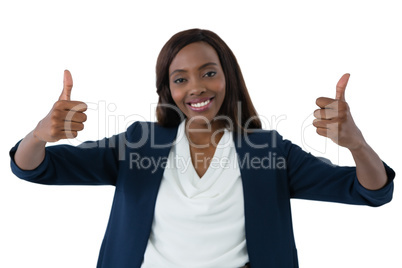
(204, 135)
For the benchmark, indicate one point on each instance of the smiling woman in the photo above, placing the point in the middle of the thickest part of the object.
(216, 64)
(235, 214)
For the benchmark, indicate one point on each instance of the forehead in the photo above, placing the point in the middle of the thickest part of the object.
(193, 56)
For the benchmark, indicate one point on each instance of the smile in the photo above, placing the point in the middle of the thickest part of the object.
(200, 105)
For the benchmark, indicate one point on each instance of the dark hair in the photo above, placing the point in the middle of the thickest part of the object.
(236, 90)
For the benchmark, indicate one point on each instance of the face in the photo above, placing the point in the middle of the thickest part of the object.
(197, 83)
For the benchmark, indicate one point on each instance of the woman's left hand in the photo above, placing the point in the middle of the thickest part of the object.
(335, 121)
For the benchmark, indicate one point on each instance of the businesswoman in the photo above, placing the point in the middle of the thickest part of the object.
(204, 186)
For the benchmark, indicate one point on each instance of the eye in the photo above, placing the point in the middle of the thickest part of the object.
(210, 74)
(179, 80)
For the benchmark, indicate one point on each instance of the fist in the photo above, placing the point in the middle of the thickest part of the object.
(334, 120)
(66, 117)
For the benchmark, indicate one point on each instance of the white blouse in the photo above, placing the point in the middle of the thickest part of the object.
(199, 222)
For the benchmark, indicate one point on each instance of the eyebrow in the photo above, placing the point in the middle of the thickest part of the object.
(201, 67)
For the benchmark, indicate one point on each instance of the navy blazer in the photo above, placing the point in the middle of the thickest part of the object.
(273, 170)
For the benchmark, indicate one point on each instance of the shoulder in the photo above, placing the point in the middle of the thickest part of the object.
(146, 127)
(262, 134)
(259, 140)
(145, 132)
(261, 137)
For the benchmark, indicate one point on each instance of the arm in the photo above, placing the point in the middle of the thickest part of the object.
(91, 163)
(369, 168)
(30, 153)
(316, 178)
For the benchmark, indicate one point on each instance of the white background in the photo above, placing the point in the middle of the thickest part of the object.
(290, 52)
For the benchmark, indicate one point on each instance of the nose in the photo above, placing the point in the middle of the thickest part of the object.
(196, 88)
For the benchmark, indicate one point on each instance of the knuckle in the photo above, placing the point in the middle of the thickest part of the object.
(56, 114)
(54, 121)
(56, 105)
(59, 104)
(342, 116)
(342, 105)
(54, 133)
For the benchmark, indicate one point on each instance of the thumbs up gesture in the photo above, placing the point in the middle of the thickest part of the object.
(66, 117)
(334, 120)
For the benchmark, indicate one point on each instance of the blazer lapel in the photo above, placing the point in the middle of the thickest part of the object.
(143, 185)
(259, 196)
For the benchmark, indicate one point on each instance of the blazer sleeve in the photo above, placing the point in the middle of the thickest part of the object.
(317, 178)
(90, 163)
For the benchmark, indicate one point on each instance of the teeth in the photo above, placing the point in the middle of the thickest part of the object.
(200, 104)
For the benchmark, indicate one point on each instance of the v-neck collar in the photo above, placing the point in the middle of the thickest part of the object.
(221, 150)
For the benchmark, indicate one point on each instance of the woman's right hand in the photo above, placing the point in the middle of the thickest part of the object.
(66, 117)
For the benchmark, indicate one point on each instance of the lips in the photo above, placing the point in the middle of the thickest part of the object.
(200, 104)
(199, 100)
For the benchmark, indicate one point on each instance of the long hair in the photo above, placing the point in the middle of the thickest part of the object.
(237, 104)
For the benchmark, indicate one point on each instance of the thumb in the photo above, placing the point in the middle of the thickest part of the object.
(67, 86)
(341, 86)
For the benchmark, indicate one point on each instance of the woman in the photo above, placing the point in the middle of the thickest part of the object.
(204, 186)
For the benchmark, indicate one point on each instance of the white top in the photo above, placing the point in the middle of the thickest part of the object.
(199, 222)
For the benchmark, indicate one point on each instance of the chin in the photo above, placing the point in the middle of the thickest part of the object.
(201, 120)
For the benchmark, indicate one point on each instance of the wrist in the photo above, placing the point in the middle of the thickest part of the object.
(35, 137)
(359, 148)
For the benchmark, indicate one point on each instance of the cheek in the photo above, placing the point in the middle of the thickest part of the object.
(177, 96)
(220, 87)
